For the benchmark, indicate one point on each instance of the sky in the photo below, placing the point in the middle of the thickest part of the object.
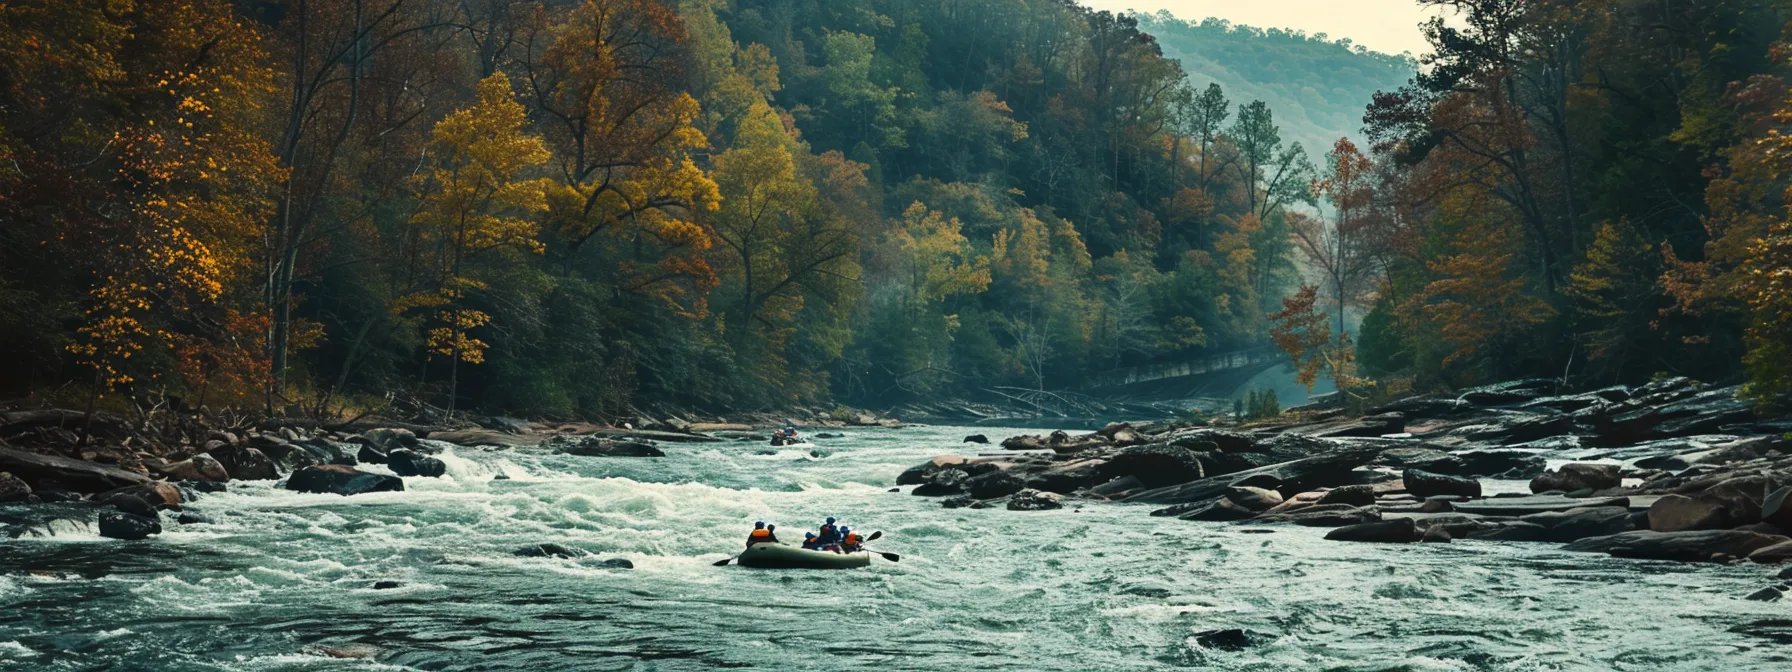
(1389, 26)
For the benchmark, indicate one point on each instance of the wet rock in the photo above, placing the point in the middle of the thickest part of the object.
(550, 550)
(1777, 553)
(1328, 515)
(1742, 499)
(1152, 590)
(387, 438)
(407, 463)
(247, 464)
(1223, 510)
(201, 467)
(13, 489)
(1436, 534)
(1253, 499)
(371, 454)
(1520, 506)
(1316, 471)
(1521, 429)
(127, 526)
(1120, 487)
(1034, 500)
(131, 504)
(158, 494)
(1692, 546)
(941, 483)
(1576, 524)
(74, 475)
(1157, 465)
(1391, 531)
(1776, 509)
(1678, 513)
(958, 502)
(1513, 531)
(1068, 477)
(617, 563)
(918, 474)
(1353, 495)
(386, 585)
(1768, 594)
(976, 438)
(1577, 476)
(1498, 464)
(1229, 639)
(592, 446)
(475, 437)
(1427, 484)
(190, 518)
(1436, 506)
(1508, 392)
(341, 480)
(993, 484)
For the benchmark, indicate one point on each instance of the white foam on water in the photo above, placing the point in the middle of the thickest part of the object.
(14, 649)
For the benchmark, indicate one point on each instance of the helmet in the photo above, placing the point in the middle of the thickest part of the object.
(808, 535)
(830, 520)
(844, 529)
(758, 524)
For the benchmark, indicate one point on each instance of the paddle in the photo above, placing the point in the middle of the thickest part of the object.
(724, 562)
(892, 557)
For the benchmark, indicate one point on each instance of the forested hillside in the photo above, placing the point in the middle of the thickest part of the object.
(571, 207)
(1317, 84)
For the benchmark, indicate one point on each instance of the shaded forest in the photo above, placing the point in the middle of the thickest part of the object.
(570, 207)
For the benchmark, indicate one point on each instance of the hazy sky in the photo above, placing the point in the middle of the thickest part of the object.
(1383, 25)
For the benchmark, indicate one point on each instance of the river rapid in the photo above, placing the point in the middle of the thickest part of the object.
(277, 576)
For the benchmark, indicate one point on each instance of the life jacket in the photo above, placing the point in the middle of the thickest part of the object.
(759, 536)
(829, 533)
(852, 539)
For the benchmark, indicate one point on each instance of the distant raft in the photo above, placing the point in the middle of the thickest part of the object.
(782, 556)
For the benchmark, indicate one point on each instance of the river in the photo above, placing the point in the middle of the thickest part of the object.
(276, 575)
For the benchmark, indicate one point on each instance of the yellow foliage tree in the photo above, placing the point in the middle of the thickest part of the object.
(475, 198)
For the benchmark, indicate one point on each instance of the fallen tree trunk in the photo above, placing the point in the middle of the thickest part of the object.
(75, 474)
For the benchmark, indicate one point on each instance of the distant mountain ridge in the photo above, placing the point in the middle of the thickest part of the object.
(1316, 86)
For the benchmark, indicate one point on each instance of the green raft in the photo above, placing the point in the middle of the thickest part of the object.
(782, 556)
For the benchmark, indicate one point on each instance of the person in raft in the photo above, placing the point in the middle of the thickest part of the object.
(849, 540)
(762, 533)
(809, 543)
(829, 534)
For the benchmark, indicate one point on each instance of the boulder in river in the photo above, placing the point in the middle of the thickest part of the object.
(1229, 639)
(1221, 510)
(942, 482)
(1253, 499)
(1157, 465)
(993, 485)
(1034, 500)
(158, 494)
(592, 446)
(1424, 484)
(1577, 476)
(1391, 531)
(1692, 546)
(550, 550)
(127, 526)
(1327, 515)
(977, 438)
(1679, 513)
(406, 462)
(1501, 463)
(201, 467)
(1436, 534)
(1319, 470)
(341, 480)
(1577, 524)
(1519, 506)
(1354, 495)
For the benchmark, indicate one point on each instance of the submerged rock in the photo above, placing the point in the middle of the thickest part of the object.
(550, 550)
(976, 438)
(341, 480)
(127, 526)
(1229, 639)
(617, 563)
(601, 447)
(386, 585)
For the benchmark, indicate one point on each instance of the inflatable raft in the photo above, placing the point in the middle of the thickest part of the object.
(782, 556)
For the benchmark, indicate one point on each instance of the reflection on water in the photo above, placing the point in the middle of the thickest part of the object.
(283, 581)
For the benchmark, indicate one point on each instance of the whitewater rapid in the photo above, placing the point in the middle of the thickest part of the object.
(280, 580)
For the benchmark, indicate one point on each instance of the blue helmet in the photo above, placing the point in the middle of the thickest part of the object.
(845, 529)
(808, 535)
(758, 524)
(830, 520)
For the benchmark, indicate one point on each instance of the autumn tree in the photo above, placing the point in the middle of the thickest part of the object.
(1338, 249)
(475, 198)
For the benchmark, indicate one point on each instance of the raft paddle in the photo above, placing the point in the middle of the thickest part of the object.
(724, 562)
(892, 557)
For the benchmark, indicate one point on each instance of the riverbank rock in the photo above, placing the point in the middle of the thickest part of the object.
(244, 463)
(1576, 524)
(1393, 531)
(1253, 499)
(405, 462)
(1679, 513)
(1423, 484)
(1353, 495)
(76, 475)
(340, 480)
(1521, 506)
(1577, 476)
(127, 526)
(1328, 515)
(918, 474)
(1692, 546)
(1034, 500)
(1777, 553)
(158, 494)
(13, 489)
(1499, 463)
(941, 483)
(1332, 468)
(1777, 508)
(475, 437)
(1157, 465)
